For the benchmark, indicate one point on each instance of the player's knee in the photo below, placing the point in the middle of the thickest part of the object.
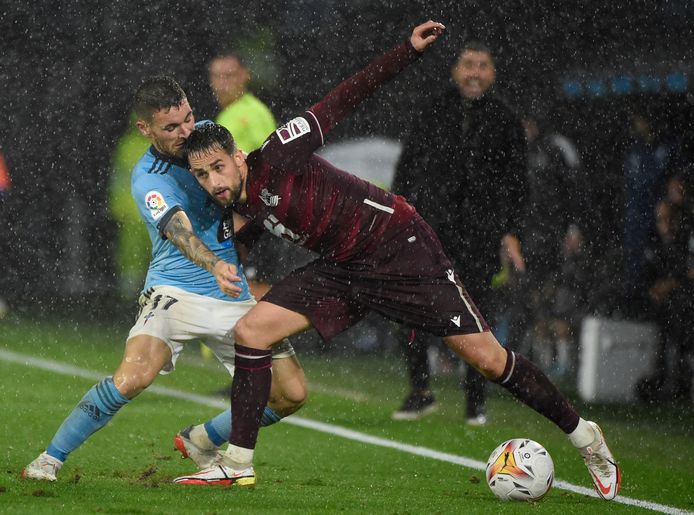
(296, 395)
(288, 402)
(245, 334)
(131, 383)
(491, 364)
(288, 397)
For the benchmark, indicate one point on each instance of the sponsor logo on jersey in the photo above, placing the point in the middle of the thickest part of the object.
(293, 129)
(456, 320)
(226, 229)
(269, 199)
(226, 226)
(274, 226)
(156, 204)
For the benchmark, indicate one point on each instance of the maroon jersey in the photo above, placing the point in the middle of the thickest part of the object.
(299, 196)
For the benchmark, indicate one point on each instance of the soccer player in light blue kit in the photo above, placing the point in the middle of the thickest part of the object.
(194, 290)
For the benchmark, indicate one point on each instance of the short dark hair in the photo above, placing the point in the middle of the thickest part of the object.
(208, 137)
(228, 53)
(156, 93)
(475, 45)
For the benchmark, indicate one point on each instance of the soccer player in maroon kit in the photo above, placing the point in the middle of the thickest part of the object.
(375, 253)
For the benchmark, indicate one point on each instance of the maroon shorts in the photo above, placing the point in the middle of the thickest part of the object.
(409, 280)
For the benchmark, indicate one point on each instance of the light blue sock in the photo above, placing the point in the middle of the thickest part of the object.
(219, 428)
(92, 413)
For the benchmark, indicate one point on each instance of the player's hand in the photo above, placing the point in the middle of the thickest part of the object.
(227, 276)
(425, 34)
(511, 252)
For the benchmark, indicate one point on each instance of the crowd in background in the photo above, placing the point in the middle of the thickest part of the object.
(647, 275)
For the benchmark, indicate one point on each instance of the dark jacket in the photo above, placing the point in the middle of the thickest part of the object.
(464, 168)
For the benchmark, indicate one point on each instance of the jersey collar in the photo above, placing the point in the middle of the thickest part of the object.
(183, 163)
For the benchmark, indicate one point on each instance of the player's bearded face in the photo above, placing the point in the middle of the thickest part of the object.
(220, 174)
(169, 128)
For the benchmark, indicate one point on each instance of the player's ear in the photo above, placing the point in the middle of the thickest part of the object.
(143, 127)
(239, 157)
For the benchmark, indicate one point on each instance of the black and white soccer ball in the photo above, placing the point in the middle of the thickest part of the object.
(520, 470)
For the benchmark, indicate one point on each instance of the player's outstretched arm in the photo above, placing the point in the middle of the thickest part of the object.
(425, 34)
(293, 143)
(180, 232)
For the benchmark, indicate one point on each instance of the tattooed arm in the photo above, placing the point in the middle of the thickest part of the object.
(180, 232)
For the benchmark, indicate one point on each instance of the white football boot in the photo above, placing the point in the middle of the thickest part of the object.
(220, 475)
(43, 468)
(602, 466)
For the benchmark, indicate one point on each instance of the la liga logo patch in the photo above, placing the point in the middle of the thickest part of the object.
(156, 204)
(292, 130)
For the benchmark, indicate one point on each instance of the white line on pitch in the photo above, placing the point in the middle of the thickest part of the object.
(66, 369)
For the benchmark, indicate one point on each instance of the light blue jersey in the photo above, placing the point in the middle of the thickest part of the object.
(161, 186)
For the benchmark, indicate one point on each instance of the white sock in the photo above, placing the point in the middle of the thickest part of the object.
(199, 437)
(583, 435)
(238, 457)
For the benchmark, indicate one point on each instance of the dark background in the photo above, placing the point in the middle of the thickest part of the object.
(68, 71)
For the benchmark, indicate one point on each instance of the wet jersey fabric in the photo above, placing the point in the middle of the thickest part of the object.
(376, 252)
(299, 196)
(162, 185)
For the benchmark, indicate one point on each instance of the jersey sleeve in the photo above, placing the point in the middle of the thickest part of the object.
(157, 200)
(293, 143)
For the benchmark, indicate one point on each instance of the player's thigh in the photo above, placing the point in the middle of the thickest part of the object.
(267, 324)
(168, 315)
(288, 391)
(144, 357)
(481, 350)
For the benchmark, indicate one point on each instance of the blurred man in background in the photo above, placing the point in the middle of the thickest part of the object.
(242, 113)
(464, 169)
(133, 248)
(554, 246)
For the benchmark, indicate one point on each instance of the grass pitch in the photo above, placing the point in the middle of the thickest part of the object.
(127, 467)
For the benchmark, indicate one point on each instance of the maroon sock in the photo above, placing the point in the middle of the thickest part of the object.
(250, 391)
(531, 386)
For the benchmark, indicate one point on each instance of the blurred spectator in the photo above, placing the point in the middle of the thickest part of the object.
(133, 248)
(247, 118)
(464, 169)
(561, 304)
(670, 280)
(554, 247)
(679, 191)
(645, 164)
(554, 204)
(5, 181)
(5, 185)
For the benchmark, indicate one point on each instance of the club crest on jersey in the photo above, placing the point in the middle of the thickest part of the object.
(269, 199)
(293, 129)
(156, 204)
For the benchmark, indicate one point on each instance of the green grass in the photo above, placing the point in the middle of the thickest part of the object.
(128, 466)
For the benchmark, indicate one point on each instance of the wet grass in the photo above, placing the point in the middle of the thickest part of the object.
(128, 466)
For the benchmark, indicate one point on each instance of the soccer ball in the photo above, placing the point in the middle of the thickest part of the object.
(520, 470)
